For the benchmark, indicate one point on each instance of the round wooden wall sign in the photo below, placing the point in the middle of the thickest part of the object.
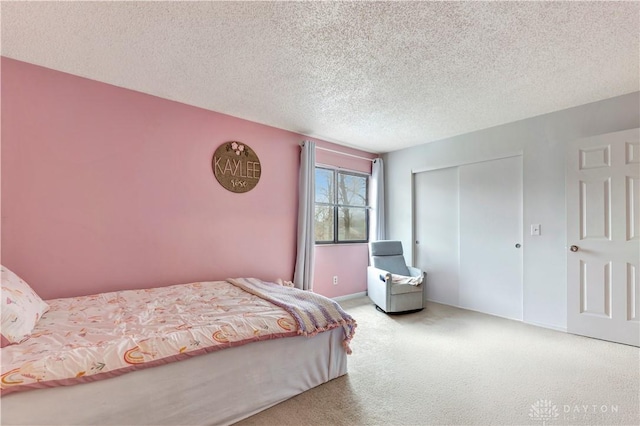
(236, 166)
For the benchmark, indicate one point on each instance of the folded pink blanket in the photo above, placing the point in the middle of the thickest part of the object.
(312, 312)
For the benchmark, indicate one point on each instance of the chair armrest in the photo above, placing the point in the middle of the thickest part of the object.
(415, 272)
(378, 275)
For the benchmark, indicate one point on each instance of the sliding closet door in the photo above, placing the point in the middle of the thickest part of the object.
(491, 237)
(436, 231)
(467, 224)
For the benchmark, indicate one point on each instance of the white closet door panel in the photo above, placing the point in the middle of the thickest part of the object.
(436, 232)
(490, 208)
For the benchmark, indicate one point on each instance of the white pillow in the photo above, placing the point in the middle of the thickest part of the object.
(21, 308)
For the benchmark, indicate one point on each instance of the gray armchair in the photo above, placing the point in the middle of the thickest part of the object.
(389, 296)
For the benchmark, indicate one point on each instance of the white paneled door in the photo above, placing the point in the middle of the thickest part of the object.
(603, 232)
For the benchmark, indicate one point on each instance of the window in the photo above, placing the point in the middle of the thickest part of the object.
(341, 206)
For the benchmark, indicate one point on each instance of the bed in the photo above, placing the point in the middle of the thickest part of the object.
(242, 345)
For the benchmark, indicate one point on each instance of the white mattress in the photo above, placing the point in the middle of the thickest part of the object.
(213, 389)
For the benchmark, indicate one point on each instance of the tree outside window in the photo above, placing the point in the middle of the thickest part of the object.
(341, 213)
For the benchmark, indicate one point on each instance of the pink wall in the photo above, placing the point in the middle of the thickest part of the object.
(347, 262)
(105, 188)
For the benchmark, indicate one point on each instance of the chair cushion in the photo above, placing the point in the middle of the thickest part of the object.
(393, 264)
(385, 248)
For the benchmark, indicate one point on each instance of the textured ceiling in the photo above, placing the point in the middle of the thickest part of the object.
(374, 75)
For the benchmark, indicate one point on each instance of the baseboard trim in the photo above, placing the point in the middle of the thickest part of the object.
(549, 326)
(537, 324)
(349, 296)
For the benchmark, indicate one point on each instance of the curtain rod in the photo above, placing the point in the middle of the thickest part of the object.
(344, 153)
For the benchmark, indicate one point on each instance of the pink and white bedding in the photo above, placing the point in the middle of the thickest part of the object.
(313, 313)
(93, 337)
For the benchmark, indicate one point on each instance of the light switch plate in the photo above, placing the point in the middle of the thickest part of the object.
(535, 229)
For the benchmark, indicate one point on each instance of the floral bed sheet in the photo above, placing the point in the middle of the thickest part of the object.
(99, 336)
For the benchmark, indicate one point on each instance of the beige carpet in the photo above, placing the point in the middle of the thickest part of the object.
(450, 366)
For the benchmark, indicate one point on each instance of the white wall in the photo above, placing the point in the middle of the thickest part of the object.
(541, 140)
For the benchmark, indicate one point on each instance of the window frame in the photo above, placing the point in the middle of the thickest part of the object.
(335, 206)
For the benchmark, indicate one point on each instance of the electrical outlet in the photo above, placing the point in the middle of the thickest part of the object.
(335, 280)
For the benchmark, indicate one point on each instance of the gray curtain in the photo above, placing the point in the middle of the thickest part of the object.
(305, 256)
(376, 198)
